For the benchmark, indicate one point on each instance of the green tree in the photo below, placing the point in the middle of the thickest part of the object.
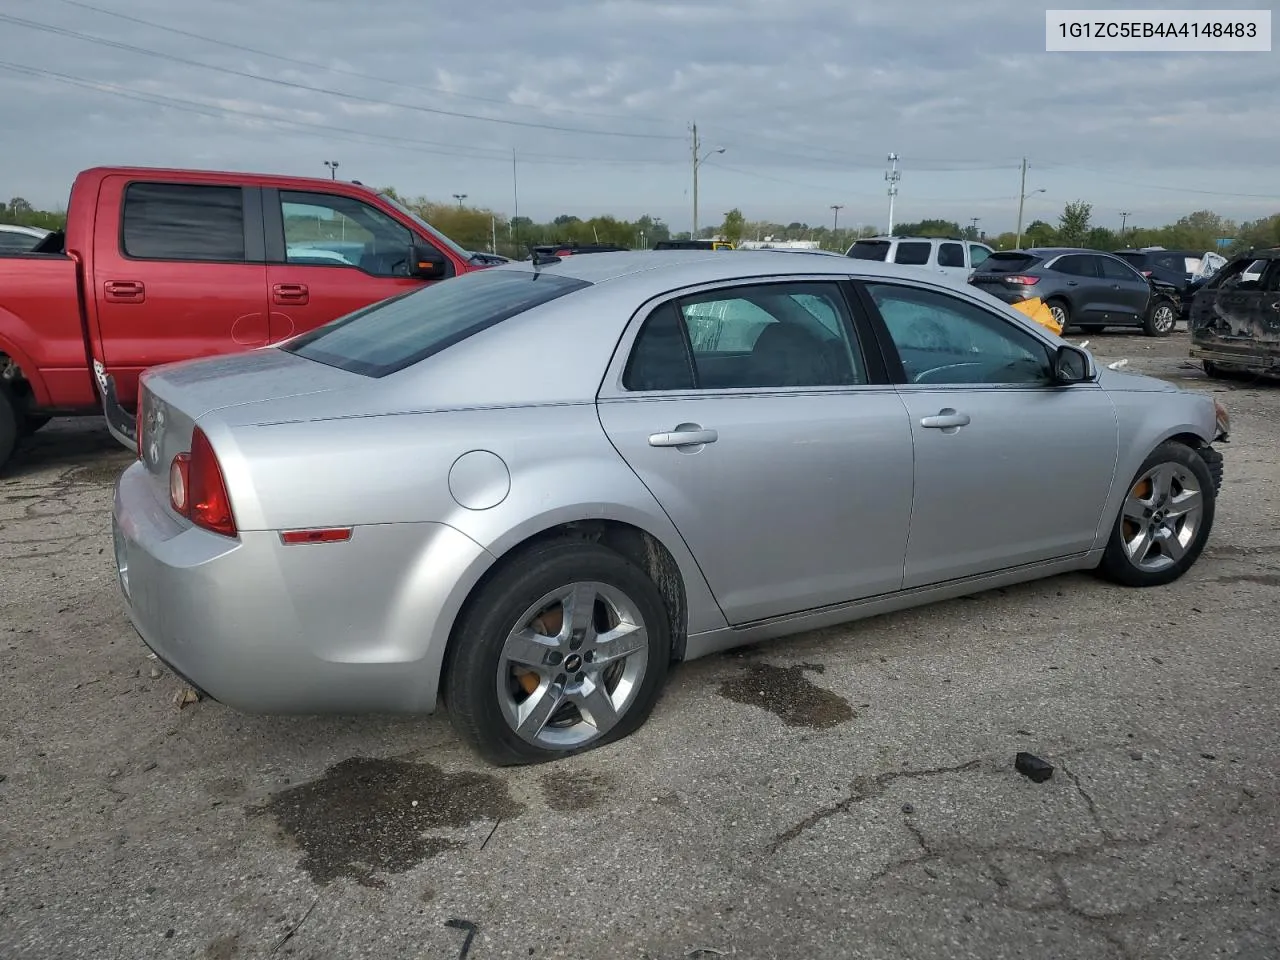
(928, 228)
(1039, 234)
(1073, 224)
(733, 225)
(1100, 238)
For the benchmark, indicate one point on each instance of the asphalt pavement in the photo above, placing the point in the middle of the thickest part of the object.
(847, 793)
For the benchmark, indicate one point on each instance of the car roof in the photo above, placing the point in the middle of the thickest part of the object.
(19, 228)
(671, 269)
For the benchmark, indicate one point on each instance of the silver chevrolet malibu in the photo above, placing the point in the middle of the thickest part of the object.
(527, 491)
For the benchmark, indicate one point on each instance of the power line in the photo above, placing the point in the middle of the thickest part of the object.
(1155, 186)
(328, 131)
(394, 81)
(294, 85)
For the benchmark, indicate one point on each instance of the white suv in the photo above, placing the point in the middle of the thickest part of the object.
(943, 254)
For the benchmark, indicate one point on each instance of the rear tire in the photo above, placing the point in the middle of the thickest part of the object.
(1164, 520)
(1161, 318)
(8, 426)
(1061, 312)
(517, 702)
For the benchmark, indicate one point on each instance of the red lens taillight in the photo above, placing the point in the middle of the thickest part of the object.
(197, 489)
(1021, 280)
(1146, 273)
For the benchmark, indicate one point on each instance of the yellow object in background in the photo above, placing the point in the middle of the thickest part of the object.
(1035, 309)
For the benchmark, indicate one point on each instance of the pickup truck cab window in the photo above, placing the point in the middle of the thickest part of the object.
(178, 221)
(331, 230)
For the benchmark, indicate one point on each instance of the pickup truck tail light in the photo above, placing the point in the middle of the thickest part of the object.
(197, 489)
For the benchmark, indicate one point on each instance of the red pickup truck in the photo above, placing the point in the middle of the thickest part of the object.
(163, 265)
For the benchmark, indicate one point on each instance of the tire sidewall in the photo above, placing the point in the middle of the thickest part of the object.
(476, 647)
(1116, 564)
(1061, 305)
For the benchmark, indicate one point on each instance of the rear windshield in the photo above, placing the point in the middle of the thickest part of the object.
(399, 332)
(1138, 260)
(869, 250)
(1012, 261)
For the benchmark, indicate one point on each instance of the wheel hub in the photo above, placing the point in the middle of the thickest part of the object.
(573, 663)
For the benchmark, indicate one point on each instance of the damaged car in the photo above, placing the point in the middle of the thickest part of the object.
(526, 492)
(1235, 317)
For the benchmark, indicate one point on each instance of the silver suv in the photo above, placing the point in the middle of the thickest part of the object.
(943, 254)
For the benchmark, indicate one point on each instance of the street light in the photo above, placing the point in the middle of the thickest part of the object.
(333, 169)
(1017, 242)
(459, 197)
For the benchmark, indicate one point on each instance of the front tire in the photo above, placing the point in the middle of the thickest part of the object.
(563, 650)
(1161, 318)
(1164, 520)
(1061, 313)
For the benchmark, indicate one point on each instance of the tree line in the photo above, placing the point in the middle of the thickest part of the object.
(479, 228)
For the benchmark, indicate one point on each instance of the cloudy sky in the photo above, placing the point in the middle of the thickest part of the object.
(806, 96)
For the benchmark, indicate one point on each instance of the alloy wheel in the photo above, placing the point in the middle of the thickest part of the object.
(572, 666)
(1161, 517)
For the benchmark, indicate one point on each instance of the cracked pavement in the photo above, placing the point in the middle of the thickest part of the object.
(863, 805)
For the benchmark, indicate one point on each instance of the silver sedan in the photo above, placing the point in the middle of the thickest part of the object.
(529, 490)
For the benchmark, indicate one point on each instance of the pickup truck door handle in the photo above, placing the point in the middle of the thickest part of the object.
(289, 293)
(946, 419)
(685, 435)
(124, 291)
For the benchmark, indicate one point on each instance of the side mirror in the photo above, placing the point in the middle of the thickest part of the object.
(1071, 365)
(426, 263)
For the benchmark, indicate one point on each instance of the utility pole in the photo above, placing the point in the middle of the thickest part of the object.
(333, 169)
(1022, 196)
(493, 234)
(697, 162)
(893, 176)
(1124, 216)
(515, 204)
(835, 221)
(974, 223)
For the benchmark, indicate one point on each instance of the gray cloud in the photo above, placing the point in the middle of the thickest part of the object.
(807, 97)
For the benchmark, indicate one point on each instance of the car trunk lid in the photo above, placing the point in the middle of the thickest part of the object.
(173, 398)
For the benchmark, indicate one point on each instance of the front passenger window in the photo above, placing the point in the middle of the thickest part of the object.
(942, 339)
(336, 231)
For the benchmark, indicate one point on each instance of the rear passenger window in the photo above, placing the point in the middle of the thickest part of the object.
(950, 255)
(175, 221)
(765, 336)
(913, 253)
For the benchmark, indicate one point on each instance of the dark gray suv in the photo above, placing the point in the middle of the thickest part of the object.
(1084, 288)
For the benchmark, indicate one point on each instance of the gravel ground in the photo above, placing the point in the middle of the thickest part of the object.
(847, 793)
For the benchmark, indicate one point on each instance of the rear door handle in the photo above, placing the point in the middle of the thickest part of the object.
(683, 437)
(946, 419)
(289, 293)
(125, 291)
(1073, 283)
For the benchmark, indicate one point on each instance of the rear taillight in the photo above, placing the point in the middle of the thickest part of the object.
(197, 489)
(1021, 280)
(1146, 273)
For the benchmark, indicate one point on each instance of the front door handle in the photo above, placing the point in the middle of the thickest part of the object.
(289, 293)
(684, 435)
(946, 419)
(125, 291)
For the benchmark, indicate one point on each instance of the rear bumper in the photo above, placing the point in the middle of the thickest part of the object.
(120, 422)
(1249, 356)
(336, 628)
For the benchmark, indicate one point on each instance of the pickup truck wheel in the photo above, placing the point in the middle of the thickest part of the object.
(8, 426)
(31, 423)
